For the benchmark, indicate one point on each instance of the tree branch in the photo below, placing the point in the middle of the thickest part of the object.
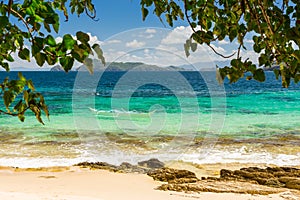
(219, 54)
(239, 51)
(187, 16)
(13, 114)
(23, 20)
(190, 23)
(92, 16)
(265, 16)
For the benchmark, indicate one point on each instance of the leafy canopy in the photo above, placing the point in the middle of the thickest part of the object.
(27, 31)
(275, 26)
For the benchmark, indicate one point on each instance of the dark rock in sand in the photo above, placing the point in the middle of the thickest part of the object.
(98, 165)
(143, 167)
(293, 184)
(270, 176)
(220, 187)
(129, 168)
(173, 175)
(224, 173)
(250, 180)
(152, 163)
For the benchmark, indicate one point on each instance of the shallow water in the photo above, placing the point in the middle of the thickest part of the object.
(118, 116)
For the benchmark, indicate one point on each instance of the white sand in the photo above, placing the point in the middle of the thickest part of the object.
(83, 184)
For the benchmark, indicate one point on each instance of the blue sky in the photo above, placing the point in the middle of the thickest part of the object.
(114, 16)
(125, 37)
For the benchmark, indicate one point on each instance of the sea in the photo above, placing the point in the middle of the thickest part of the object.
(116, 117)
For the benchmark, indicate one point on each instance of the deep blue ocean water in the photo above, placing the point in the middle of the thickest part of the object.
(121, 116)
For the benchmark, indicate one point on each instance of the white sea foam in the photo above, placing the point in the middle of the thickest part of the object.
(117, 157)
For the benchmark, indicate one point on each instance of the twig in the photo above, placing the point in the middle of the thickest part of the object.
(90, 15)
(187, 16)
(219, 54)
(23, 20)
(190, 23)
(265, 16)
(239, 51)
(13, 114)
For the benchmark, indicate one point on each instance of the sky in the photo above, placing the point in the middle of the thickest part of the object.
(125, 37)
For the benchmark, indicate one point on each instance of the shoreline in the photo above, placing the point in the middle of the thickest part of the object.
(80, 183)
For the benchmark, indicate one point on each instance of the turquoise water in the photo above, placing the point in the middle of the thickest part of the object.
(119, 116)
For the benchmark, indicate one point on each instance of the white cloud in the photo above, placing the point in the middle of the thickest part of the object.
(94, 39)
(149, 30)
(135, 44)
(149, 36)
(218, 49)
(249, 41)
(222, 42)
(163, 47)
(113, 41)
(252, 55)
(58, 39)
(294, 45)
(178, 36)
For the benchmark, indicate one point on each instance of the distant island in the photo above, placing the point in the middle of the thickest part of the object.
(122, 66)
(140, 66)
(57, 68)
(272, 68)
(129, 66)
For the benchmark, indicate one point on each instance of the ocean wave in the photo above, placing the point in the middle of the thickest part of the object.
(116, 112)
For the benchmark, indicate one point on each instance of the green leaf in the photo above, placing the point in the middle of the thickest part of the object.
(67, 62)
(186, 50)
(3, 21)
(82, 37)
(30, 85)
(21, 117)
(5, 66)
(56, 24)
(21, 77)
(18, 106)
(50, 41)
(47, 27)
(219, 78)
(89, 65)
(50, 20)
(24, 54)
(145, 12)
(68, 42)
(99, 53)
(39, 42)
(10, 58)
(259, 75)
(26, 97)
(277, 73)
(40, 58)
(169, 19)
(36, 110)
(193, 46)
(8, 98)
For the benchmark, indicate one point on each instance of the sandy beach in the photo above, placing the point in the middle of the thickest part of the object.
(75, 183)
